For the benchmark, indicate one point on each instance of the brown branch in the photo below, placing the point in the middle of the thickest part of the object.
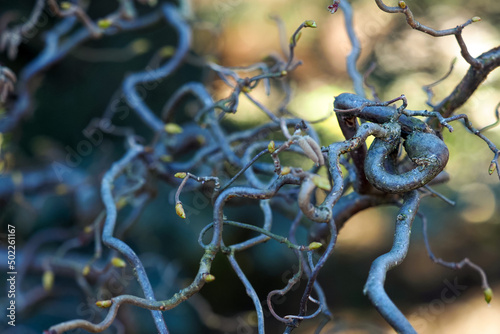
(490, 60)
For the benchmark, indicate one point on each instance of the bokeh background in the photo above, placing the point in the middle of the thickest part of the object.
(241, 32)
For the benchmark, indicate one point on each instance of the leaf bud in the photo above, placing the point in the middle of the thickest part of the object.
(310, 24)
(104, 303)
(180, 210)
(48, 280)
(118, 262)
(315, 245)
(488, 295)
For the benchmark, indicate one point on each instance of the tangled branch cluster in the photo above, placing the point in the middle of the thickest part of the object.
(407, 155)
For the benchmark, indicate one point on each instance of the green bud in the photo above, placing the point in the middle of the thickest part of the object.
(118, 263)
(209, 278)
(104, 303)
(488, 295)
(180, 210)
(271, 146)
(173, 128)
(104, 23)
(315, 245)
(310, 24)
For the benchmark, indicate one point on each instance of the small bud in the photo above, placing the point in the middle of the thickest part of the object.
(104, 303)
(61, 189)
(315, 245)
(172, 128)
(285, 170)
(104, 23)
(488, 295)
(86, 270)
(121, 203)
(492, 168)
(308, 150)
(88, 229)
(65, 5)
(201, 140)
(118, 262)
(321, 182)
(296, 39)
(140, 46)
(166, 158)
(402, 4)
(180, 210)
(310, 24)
(17, 178)
(334, 7)
(180, 175)
(209, 278)
(476, 19)
(48, 280)
(271, 146)
(283, 73)
(246, 89)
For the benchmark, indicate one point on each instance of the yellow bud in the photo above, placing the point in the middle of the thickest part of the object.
(476, 19)
(297, 37)
(283, 73)
(61, 189)
(166, 158)
(209, 278)
(246, 89)
(285, 170)
(492, 168)
(402, 4)
(180, 210)
(315, 245)
(271, 146)
(201, 140)
(86, 270)
(488, 295)
(310, 24)
(17, 178)
(167, 51)
(48, 280)
(65, 5)
(140, 46)
(121, 203)
(172, 128)
(104, 23)
(180, 175)
(104, 303)
(88, 229)
(322, 182)
(118, 262)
